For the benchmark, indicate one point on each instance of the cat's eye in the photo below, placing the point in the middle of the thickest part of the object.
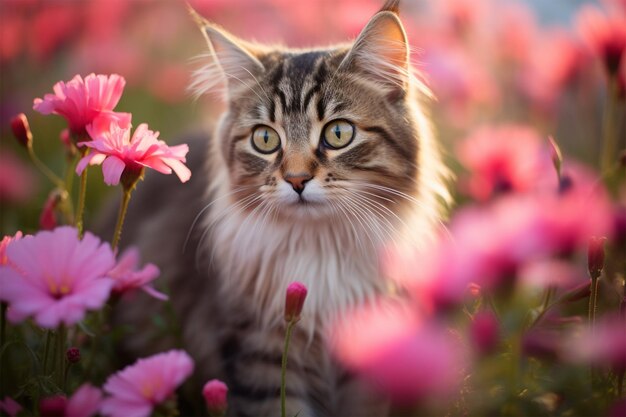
(265, 140)
(338, 134)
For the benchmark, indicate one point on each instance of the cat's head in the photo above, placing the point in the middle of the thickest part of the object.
(322, 132)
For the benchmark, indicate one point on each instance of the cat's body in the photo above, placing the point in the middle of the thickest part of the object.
(322, 158)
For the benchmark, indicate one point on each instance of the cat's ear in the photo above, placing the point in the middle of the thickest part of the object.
(232, 60)
(381, 53)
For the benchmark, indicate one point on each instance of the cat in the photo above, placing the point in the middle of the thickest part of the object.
(322, 158)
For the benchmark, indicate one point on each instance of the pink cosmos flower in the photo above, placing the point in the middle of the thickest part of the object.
(85, 402)
(81, 102)
(4, 244)
(10, 406)
(128, 277)
(391, 348)
(506, 158)
(604, 35)
(118, 152)
(56, 277)
(138, 388)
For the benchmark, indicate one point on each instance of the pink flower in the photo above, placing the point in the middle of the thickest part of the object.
(81, 102)
(502, 159)
(84, 403)
(127, 277)
(602, 345)
(138, 388)
(215, 393)
(4, 244)
(119, 153)
(387, 345)
(604, 35)
(17, 182)
(10, 406)
(56, 277)
(294, 301)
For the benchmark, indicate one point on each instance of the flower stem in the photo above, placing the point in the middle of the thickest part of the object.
(60, 353)
(283, 372)
(82, 191)
(609, 122)
(44, 169)
(593, 300)
(46, 351)
(120, 217)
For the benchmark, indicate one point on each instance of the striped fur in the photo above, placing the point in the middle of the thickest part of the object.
(253, 233)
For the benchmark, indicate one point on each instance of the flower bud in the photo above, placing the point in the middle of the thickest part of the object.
(47, 219)
(296, 294)
(214, 393)
(53, 406)
(73, 355)
(595, 256)
(557, 157)
(21, 130)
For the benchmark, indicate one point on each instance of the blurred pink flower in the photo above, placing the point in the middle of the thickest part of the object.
(138, 388)
(81, 102)
(4, 244)
(602, 345)
(55, 277)
(48, 218)
(10, 406)
(485, 332)
(17, 182)
(119, 153)
(84, 403)
(388, 346)
(502, 159)
(128, 277)
(604, 35)
(50, 27)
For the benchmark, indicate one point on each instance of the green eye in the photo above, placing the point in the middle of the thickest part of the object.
(265, 139)
(338, 134)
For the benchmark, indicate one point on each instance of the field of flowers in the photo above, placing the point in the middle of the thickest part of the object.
(518, 309)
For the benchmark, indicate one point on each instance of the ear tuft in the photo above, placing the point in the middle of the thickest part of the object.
(392, 6)
(381, 53)
(231, 61)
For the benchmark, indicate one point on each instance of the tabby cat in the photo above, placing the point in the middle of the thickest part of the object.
(322, 158)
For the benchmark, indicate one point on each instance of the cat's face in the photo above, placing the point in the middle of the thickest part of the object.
(312, 134)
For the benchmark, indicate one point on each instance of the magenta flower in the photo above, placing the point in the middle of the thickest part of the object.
(55, 277)
(128, 277)
(502, 159)
(120, 154)
(138, 388)
(84, 403)
(81, 102)
(10, 406)
(389, 347)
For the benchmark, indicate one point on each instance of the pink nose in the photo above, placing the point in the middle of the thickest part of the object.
(297, 181)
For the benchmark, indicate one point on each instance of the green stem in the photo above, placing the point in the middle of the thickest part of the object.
(593, 300)
(545, 306)
(283, 371)
(44, 169)
(609, 121)
(46, 351)
(60, 353)
(80, 210)
(120, 217)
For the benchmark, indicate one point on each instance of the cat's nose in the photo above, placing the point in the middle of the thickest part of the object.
(297, 181)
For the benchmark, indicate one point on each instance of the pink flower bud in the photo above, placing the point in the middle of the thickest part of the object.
(595, 256)
(214, 393)
(485, 332)
(296, 294)
(53, 406)
(21, 130)
(73, 355)
(47, 219)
